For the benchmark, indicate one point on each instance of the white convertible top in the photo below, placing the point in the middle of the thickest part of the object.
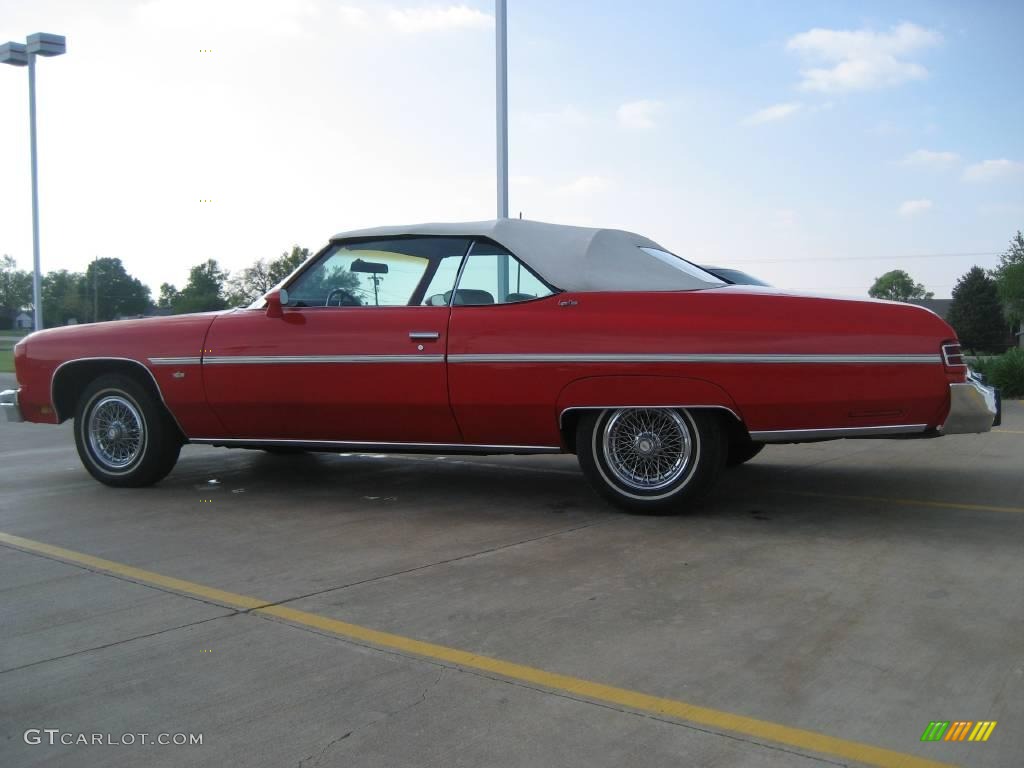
(571, 258)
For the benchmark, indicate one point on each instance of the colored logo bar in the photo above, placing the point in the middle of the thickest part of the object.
(958, 730)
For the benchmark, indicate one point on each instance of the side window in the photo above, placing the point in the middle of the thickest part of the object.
(378, 273)
(494, 276)
(439, 290)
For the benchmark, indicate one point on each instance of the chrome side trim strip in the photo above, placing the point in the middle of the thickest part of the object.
(686, 358)
(175, 360)
(349, 445)
(53, 380)
(798, 435)
(561, 416)
(318, 359)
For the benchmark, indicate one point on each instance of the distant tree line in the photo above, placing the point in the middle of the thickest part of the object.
(988, 306)
(106, 291)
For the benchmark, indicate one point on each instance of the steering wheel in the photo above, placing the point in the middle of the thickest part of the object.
(331, 296)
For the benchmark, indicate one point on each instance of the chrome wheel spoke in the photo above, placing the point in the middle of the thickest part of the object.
(116, 432)
(647, 448)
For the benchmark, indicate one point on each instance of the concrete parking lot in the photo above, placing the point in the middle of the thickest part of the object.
(823, 606)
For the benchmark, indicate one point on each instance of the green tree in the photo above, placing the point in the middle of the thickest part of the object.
(1009, 276)
(168, 295)
(897, 285)
(64, 298)
(252, 282)
(204, 290)
(976, 314)
(15, 290)
(111, 291)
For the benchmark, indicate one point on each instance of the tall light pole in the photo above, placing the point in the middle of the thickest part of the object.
(501, 50)
(39, 44)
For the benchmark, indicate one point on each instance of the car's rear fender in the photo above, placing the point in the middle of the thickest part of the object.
(621, 391)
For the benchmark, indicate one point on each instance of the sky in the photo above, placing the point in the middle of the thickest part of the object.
(815, 145)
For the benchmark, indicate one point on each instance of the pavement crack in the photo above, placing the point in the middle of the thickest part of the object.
(312, 760)
(116, 643)
(425, 566)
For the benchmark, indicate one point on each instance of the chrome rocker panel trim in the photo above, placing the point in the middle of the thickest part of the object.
(973, 408)
(347, 446)
(9, 405)
(811, 435)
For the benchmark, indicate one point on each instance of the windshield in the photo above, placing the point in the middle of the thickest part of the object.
(701, 278)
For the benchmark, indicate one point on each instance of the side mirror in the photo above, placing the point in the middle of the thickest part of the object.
(275, 301)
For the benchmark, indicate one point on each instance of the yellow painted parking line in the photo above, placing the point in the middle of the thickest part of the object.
(135, 574)
(906, 502)
(586, 689)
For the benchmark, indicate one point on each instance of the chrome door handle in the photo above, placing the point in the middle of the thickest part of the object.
(424, 335)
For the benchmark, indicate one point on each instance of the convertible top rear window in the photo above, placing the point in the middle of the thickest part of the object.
(700, 277)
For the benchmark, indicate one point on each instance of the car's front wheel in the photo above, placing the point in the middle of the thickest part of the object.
(124, 436)
(651, 460)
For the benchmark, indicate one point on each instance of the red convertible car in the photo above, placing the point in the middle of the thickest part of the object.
(504, 336)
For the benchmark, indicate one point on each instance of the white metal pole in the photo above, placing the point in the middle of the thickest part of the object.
(501, 46)
(36, 297)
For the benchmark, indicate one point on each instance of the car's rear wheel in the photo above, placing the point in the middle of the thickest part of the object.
(124, 435)
(651, 460)
(742, 450)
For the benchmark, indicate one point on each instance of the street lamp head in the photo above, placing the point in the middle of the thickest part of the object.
(45, 44)
(14, 53)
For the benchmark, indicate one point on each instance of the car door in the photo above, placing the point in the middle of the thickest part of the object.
(503, 314)
(356, 355)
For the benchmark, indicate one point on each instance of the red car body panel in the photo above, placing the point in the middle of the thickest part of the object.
(449, 398)
(379, 400)
(40, 355)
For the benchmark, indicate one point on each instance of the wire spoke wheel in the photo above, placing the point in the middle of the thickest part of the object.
(647, 449)
(116, 432)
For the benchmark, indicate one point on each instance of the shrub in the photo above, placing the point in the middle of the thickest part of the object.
(1005, 371)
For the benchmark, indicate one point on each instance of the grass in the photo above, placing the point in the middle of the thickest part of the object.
(1005, 371)
(8, 338)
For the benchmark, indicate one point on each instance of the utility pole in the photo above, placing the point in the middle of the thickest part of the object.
(501, 91)
(95, 290)
(501, 50)
(20, 55)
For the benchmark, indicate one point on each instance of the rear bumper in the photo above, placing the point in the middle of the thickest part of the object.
(973, 407)
(9, 405)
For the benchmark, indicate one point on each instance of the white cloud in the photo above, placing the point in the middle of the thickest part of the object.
(353, 16)
(438, 18)
(773, 113)
(862, 59)
(914, 207)
(231, 17)
(926, 158)
(640, 115)
(583, 186)
(991, 170)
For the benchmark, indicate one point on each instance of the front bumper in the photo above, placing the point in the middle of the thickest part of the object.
(973, 407)
(9, 405)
